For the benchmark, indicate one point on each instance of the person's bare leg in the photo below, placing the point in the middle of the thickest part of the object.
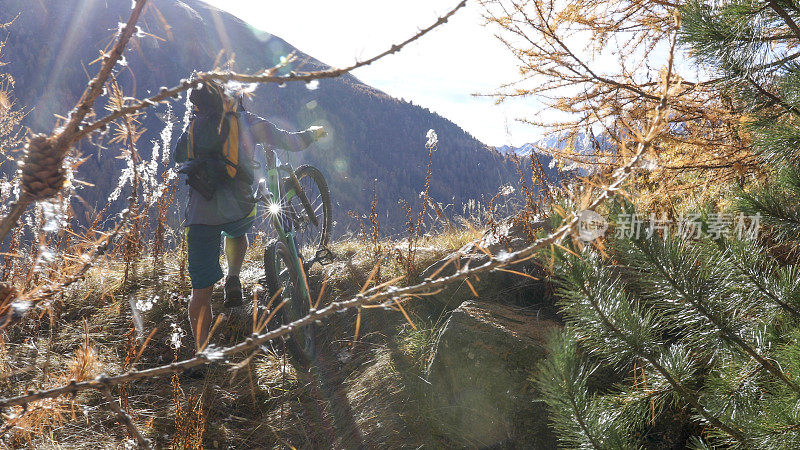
(200, 315)
(235, 249)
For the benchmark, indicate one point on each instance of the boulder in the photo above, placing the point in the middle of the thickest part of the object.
(480, 371)
(497, 285)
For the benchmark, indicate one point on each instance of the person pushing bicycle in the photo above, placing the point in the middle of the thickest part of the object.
(216, 153)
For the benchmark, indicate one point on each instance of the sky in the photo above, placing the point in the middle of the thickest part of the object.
(441, 71)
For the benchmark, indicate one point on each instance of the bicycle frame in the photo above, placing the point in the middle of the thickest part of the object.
(280, 207)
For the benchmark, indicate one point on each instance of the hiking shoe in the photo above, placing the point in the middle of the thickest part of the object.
(233, 292)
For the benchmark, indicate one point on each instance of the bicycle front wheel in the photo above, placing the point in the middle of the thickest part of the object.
(311, 236)
(282, 275)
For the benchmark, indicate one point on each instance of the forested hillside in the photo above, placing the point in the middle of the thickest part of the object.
(52, 44)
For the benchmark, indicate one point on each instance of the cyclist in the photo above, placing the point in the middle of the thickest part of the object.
(221, 199)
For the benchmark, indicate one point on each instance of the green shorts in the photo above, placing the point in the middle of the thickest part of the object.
(203, 244)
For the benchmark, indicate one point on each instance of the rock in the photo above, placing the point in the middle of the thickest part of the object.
(513, 288)
(507, 237)
(482, 361)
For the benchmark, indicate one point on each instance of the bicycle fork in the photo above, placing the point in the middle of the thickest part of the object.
(283, 222)
(301, 194)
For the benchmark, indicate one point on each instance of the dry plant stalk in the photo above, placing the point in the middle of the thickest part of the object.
(414, 224)
(31, 421)
(375, 223)
(189, 424)
(535, 192)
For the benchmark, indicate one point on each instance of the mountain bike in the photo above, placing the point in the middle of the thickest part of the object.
(299, 206)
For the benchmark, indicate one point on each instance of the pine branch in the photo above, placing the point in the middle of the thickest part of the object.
(776, 208)
(744, 261)
(774, 98)
(648, 254)
(688, 395)
(785, 16)
(582, 422)
(562, 379)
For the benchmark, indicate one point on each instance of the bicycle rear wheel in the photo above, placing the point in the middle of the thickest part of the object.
(309, 236)
(282, 274)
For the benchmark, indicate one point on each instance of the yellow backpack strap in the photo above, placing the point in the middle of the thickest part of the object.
(190, 149)
(230, 148)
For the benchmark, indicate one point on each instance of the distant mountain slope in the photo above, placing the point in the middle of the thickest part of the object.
(52, 44)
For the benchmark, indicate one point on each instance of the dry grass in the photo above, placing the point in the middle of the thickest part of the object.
(358, 259)
(91, 329)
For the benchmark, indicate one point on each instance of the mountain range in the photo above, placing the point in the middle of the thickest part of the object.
(375, 140)
(586, 144)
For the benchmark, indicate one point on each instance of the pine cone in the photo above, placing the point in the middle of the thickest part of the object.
(42, 171)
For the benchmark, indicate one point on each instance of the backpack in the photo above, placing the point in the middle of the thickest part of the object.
(208, 153)
(222, 138)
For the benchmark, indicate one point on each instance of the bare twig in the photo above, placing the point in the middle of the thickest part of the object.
(125, 419)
